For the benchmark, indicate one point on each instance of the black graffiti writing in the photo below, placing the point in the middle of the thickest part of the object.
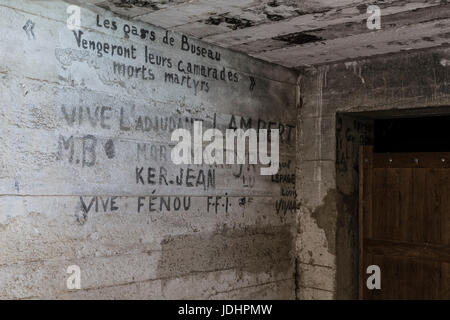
(106, 23)
(128, 29)
(163, 203)
(288, 192)
(186, 81)
(284, 178)
(198, 50)
(102, 48)
(94, 116)
(247, 174)
(157, 60)
(147, 151)
(88, 154)
(283, 206)
(207, 71)
(97, 203)
(286, 131)
(146, 123)
(185, 177)
(83, 150)
(130, 71)
(215, 203)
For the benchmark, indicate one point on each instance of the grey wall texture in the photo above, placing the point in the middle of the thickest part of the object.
(86, 177)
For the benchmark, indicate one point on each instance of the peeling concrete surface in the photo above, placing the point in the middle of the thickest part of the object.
(254, 27)
(338, 28)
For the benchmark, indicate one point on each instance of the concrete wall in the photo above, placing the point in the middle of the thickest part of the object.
(337, 103)
(79, 137)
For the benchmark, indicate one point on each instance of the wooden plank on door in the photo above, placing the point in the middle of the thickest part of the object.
(404, 223)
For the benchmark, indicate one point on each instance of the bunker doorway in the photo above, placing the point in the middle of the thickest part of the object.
(404, 210)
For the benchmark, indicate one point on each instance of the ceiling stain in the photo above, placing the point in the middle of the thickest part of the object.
(232, 22)
(298, 38)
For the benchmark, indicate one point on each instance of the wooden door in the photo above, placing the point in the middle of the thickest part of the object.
(404, 224)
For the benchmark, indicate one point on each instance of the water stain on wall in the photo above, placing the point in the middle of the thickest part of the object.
(325, 217)
(251, 249)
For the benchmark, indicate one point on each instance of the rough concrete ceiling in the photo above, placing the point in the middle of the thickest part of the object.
(297, 33)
